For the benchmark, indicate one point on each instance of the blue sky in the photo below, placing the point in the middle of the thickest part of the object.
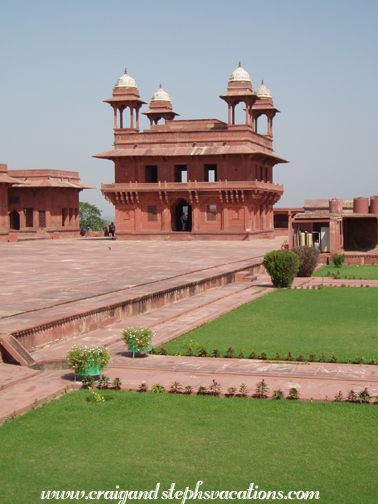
(60, 59)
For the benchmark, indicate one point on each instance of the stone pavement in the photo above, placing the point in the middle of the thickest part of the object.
(86, 272)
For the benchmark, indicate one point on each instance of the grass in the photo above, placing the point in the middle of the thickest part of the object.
(350, 272)
(138, 440)
(339, 320)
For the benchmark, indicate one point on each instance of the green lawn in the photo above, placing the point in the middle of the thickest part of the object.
(138, 440)
(339, 320)
(352, 272)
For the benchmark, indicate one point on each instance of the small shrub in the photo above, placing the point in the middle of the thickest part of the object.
(230, 353)
(231, 391)
(176, 388)
(241, 355)
(215, 352)
(263, 355)
(158, 388)
(338, 259)
(188, 390)
(352, 396)
(94, 397)
(364, 396)
(282, 266)
(87, 382)
(289, 357)
(312, 357)
(262, 390)
(202, 352)
(339, 397)
(359, 360)
(243, 390)
(252, 355)
(215, 388)
(373, 361)
(293, 394)
(322, 358)
(309, 259)
(163, 351)
(143, 387)
(116, 383)
(202, 390)
(300, 358)
(278, 394)
(104, 382)
(333, 358)
(277, 355)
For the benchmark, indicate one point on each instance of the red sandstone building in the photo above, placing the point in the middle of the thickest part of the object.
(193, 179)
(39, 203)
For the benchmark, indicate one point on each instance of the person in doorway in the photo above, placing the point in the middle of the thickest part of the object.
(106, 231)
(111, 230)
(183, 222)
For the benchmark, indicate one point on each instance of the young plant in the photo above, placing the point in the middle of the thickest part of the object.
(333, 358)
(230, 353)
(373, 361)
(116, 383)
(231, 391)
(176, 388)
(252, 355)
(202, 390)
(263, 355)
(262, 390)
(352, 396)
(293, 394)
(215, 353)
(87, 382)
(158, 388)
(339, 397)
(104, 382)
(338, 259)
(202, 352)
(243, 390)
(300, 358)
(95, 397)
(215, 388)
(163, 351)
(322, 358)
(188, 390)
(312, 357)
(364, 396)
(359, 360)
(241, 355)
(278, 394)
(277, 355)
(289, 357)
(143, 387)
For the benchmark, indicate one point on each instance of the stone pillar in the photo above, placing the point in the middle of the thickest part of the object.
(195, 216)
(131, 117)
(115, 116)
(246, 218)
(138, 219)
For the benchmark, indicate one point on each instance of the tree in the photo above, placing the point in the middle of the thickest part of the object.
(90, 218)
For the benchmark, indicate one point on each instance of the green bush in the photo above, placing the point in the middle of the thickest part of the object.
(309, 259)
(282, 266)
(338, 259)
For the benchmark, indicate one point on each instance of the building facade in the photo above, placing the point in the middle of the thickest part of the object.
(193, 179)
(39, 203)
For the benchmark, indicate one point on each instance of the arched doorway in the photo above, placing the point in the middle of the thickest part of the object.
(14, 220)
(182, 217)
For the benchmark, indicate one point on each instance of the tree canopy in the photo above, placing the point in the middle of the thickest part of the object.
(90, 217)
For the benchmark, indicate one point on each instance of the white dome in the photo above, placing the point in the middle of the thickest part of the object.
(126, 81)
(263, 92)
(239, 75)
(160, 96)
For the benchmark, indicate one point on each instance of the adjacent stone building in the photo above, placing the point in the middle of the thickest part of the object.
(193, 179)
(39, 203)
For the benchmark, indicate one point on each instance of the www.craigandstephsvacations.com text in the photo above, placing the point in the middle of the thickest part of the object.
(122, 496)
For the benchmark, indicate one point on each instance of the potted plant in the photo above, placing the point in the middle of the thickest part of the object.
(86, 360)
(138, 339)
